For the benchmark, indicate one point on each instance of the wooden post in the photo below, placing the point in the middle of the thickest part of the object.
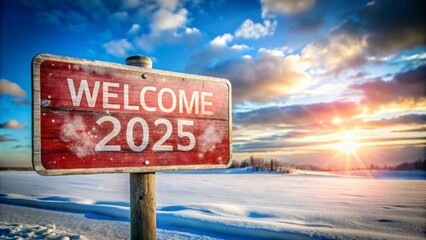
(143, 218)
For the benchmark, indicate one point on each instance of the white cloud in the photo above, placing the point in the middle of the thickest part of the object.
(251, 30)
(239, 47)
(164, 19)
(168, 26)
(380, 58)
(285, 7)
(222, 40)
(321, 90)
(118, 48)
(275, 51)
(12, 124)
(10, 88)
(415, 57)
(192, 31)
(134, 29)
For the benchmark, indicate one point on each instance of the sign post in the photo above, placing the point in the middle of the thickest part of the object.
(143, 217)
(97, 117)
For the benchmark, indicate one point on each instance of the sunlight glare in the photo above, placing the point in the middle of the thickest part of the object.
(336, 121)
(348, 146)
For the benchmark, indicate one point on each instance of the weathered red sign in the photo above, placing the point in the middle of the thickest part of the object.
(98, 117)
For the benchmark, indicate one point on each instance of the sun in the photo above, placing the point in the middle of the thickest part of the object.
(336, 121)
(347, 146)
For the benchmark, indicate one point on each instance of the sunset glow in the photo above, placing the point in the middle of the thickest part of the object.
(348, 147)
(336, 120)
(310, 86)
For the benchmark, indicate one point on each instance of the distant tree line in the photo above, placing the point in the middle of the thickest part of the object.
(416, 165)
(258, 164)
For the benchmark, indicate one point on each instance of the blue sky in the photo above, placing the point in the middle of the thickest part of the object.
(309, 77)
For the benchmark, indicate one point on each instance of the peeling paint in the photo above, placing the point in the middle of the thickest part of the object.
(74, 132)
(210, 137)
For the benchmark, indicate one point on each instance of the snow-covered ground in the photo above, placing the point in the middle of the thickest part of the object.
(219, 204)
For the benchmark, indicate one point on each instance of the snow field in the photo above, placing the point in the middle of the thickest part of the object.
(24, 231)
(235, 205)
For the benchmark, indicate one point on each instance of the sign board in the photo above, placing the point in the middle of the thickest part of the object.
(98, 117)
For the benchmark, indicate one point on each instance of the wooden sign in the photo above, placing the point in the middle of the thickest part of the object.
(98, 117)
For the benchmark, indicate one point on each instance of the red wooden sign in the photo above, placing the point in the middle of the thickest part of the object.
(98, 117)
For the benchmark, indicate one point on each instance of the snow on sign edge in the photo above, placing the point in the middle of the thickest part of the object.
(36, 129)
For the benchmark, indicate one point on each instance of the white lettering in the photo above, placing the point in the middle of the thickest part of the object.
(183, 101)
(126, 99)
(84, 87)
(160, 100)
(158, 146)
(183, 134)
(101, 146)
(121, 96)
(145, 135)
(107, 95)
(205, 103)
(142, 98)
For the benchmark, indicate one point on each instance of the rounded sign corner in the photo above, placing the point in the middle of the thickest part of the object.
(40, 170)
(228, 165)
(38, 57)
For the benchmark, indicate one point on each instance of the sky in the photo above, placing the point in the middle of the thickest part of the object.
(334, 84)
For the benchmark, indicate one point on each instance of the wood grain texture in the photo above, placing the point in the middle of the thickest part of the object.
(143, 215)
(142, 206)
(53, 110)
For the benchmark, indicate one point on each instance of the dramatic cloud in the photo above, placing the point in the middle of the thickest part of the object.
(408, 120)
(379, 29)
(267, 78)
(252, 30)
(299, 115)
(12, 124)
(406, 88)
(389, 25)
(286, 7)
(10, 88)
(335, 53)
(413, 130)
(119, 48)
